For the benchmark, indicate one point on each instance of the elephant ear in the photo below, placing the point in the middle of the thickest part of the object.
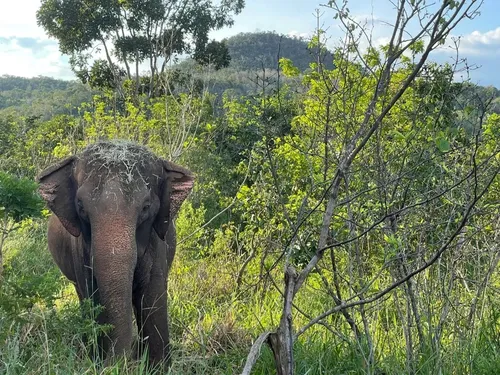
(58, 189)
(177, 184)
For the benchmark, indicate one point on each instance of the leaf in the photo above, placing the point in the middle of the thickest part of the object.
(443, 144)
(289, 70)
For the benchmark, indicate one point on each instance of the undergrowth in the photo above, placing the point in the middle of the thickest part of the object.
(212, 324)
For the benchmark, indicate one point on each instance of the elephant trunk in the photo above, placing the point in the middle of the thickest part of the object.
(114, 253)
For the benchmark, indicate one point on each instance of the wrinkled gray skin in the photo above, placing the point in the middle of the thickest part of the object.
(112, 235)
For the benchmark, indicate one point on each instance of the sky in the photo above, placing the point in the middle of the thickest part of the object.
(25, 49)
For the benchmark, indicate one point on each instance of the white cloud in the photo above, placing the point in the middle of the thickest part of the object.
(367, 19)
(41, 57)
(297, 34)
(25, 49)
(487, 38)
(477, 43)
(481, 51)
(18, 18)
(474, 44)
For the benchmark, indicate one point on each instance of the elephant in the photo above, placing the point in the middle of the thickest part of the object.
(112, 235)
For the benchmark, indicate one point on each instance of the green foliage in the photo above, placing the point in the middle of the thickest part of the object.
(19, 199)
(7, 134)
(410, 167)
(215, 54)
(289, 70)
(259, 50)
(264, 160)
(190, 233)
(40, 97)
(137, 31)
(40, 281)
(101, 75)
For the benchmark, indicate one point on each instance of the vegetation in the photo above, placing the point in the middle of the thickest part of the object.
(18, 201)
(345, 220)
(261, 50)
(133, 32)
(40, 98)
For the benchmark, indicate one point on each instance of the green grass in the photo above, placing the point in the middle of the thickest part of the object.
(212, 326)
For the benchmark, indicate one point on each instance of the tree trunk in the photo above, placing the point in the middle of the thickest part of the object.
(2, 239)
(3, 236)
(281, 341)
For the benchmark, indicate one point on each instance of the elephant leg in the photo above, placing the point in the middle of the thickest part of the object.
(150, 303)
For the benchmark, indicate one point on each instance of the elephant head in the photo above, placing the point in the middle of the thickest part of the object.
(119, 200)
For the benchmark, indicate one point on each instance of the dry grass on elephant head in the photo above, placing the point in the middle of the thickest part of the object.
(126, 161)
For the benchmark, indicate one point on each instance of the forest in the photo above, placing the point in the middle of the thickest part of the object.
(345, 213)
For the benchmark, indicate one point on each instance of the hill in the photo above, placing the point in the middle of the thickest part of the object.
(41, 96)
(250, 54)
(254, 61)
(258, 50)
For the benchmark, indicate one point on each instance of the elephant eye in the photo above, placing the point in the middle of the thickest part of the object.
(81, 210)
(145, 213)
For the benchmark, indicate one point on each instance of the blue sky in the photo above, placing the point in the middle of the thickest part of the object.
(25, 49)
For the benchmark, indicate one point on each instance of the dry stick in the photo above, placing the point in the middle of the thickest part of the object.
(4, 232)
(406, 208)
(247, 261)
(406, 331)
(413, 306)
(3, 236)
(470, 174)
(302, 218)
(303, 313)
(337, 295)
(254, 353)
(481, 289)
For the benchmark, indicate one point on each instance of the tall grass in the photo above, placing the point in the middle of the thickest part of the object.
(212, 325)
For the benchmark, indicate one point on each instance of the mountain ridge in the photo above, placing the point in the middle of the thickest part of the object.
(254, 57)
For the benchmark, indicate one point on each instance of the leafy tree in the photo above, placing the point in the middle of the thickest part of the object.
(215, 53)
(7, 134)
(8, 82)
(19, 200)
(134, 32)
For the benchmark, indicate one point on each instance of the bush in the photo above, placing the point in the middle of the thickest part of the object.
(19, 201)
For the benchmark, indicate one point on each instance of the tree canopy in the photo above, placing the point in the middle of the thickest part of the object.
(135, 32)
